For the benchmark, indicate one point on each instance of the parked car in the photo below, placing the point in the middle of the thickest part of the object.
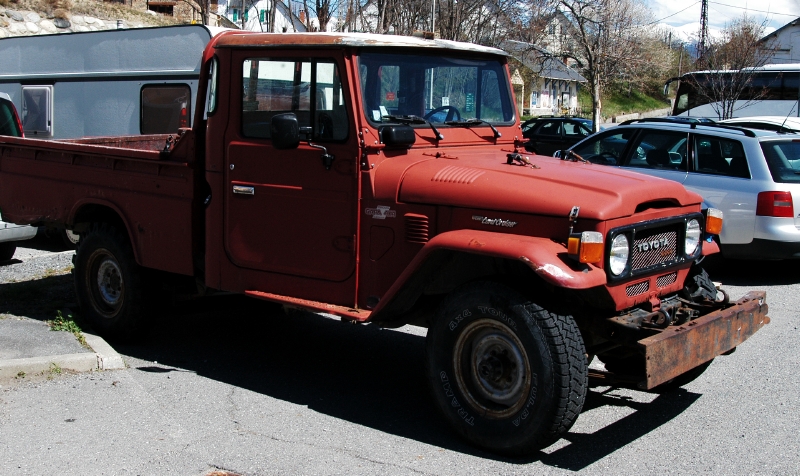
(548, 134)
(753, 176)
(9, 233)
(769, 123)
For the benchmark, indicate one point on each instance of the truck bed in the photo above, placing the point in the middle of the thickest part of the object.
(130, 179)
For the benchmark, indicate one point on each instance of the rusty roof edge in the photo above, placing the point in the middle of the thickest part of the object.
(323, 39)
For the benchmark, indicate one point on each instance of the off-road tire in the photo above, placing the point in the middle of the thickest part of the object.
(508, 375)
(109, 284)
(7, 250)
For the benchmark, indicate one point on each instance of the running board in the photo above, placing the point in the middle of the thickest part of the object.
(348, 313)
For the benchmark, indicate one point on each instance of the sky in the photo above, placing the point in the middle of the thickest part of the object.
(683, 16)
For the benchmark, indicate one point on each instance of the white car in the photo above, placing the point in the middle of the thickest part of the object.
(752, 175)
(10, 233)
(769, 123)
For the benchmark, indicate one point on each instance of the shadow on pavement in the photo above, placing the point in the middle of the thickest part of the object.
(362, 374)
(752, 273)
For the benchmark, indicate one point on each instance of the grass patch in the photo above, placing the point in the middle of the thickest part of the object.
(67, 324)
(617, 103)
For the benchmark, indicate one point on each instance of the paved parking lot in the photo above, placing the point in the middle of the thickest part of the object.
(234, 384)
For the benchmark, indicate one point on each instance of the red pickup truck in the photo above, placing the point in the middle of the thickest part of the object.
(381, 179)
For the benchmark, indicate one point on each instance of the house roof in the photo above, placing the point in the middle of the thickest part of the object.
(541, 61)
(775, 33)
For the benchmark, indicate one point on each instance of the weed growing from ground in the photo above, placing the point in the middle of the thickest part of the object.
(67, 324)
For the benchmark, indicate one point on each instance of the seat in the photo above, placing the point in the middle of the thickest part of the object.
(658, 158)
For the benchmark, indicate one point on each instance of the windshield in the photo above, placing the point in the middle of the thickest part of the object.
(439, 89)
(783, 159)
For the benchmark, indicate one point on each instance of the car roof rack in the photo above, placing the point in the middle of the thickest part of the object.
(691, 124)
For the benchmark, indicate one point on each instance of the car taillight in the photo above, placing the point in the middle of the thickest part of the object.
(19, 121)
(775, 204)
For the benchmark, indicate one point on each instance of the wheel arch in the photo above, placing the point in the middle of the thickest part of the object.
(454, 258)
(86, 212)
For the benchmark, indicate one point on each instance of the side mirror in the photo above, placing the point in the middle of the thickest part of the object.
(285, 131)
(394, 136)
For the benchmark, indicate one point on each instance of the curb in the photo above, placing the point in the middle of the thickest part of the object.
(104, 357)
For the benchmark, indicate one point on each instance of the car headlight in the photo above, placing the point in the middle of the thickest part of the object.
(618, 257)
(692, 237)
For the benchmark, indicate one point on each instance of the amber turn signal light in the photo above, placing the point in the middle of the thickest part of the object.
(713, 221)
(586, 247)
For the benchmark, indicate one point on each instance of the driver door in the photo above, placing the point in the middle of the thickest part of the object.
(285, 212)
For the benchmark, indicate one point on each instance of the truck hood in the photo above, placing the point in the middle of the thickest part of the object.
(549, 187)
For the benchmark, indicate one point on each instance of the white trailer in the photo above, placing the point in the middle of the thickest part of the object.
(104, 83)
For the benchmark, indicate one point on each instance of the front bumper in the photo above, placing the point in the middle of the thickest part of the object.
(678, 349)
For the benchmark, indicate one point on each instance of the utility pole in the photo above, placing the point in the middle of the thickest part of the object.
(701, 47)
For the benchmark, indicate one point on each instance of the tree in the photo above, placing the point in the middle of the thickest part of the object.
(732, 60)
(605, 39)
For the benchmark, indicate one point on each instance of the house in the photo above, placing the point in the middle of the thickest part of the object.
(551, 88)
(257, 15)
(783, 44)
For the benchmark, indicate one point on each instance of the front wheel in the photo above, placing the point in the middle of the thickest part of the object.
(508, 375)
(7, 250)
(108, 283)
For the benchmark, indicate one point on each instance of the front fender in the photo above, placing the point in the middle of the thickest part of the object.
(545, 257)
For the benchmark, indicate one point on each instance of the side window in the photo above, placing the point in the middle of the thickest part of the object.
(656, 149)
(37, 111)
(550, 128)
(607, 148)
(8, 120)
(165, 108)
(574, 131)
(719, 156)
(311, 90)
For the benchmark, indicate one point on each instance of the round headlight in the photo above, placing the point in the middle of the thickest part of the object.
(692, 237)
(618, 258)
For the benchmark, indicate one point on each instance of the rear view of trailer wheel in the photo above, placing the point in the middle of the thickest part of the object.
(109, 284)
(508, 375)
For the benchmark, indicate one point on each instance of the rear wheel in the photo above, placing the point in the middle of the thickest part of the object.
(109, 284)
(508, 375)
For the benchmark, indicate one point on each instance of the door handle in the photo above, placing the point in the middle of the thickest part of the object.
(243, 190)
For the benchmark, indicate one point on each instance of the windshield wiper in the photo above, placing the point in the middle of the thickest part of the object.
(414, 120)
(475, 122)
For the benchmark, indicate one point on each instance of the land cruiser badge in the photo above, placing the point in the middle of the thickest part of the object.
(494, 221)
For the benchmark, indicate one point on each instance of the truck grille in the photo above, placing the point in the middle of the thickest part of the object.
(653, 247)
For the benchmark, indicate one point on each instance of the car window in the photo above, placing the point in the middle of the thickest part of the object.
(656, 149)
(549, 128)
(528, 125)
(606, 148)
(719, 156)
(574, 130)
(783, 160)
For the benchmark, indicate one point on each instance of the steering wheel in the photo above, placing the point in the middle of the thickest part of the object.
(609, 157)
(452, 113)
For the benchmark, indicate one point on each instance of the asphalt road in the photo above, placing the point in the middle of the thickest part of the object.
(233, 384)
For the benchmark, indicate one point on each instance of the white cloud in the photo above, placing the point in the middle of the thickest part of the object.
(722, 12)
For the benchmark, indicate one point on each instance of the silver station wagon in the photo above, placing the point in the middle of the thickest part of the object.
(753, 176)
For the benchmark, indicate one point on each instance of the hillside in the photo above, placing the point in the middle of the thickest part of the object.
(37, 17)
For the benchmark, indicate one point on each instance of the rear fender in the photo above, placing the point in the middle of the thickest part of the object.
(543, 256)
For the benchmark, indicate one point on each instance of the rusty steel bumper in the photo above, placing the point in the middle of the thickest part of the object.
(679, 349)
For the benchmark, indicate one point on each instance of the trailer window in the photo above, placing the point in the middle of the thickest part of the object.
(37, 111)
(165, 108)
(310, 89)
